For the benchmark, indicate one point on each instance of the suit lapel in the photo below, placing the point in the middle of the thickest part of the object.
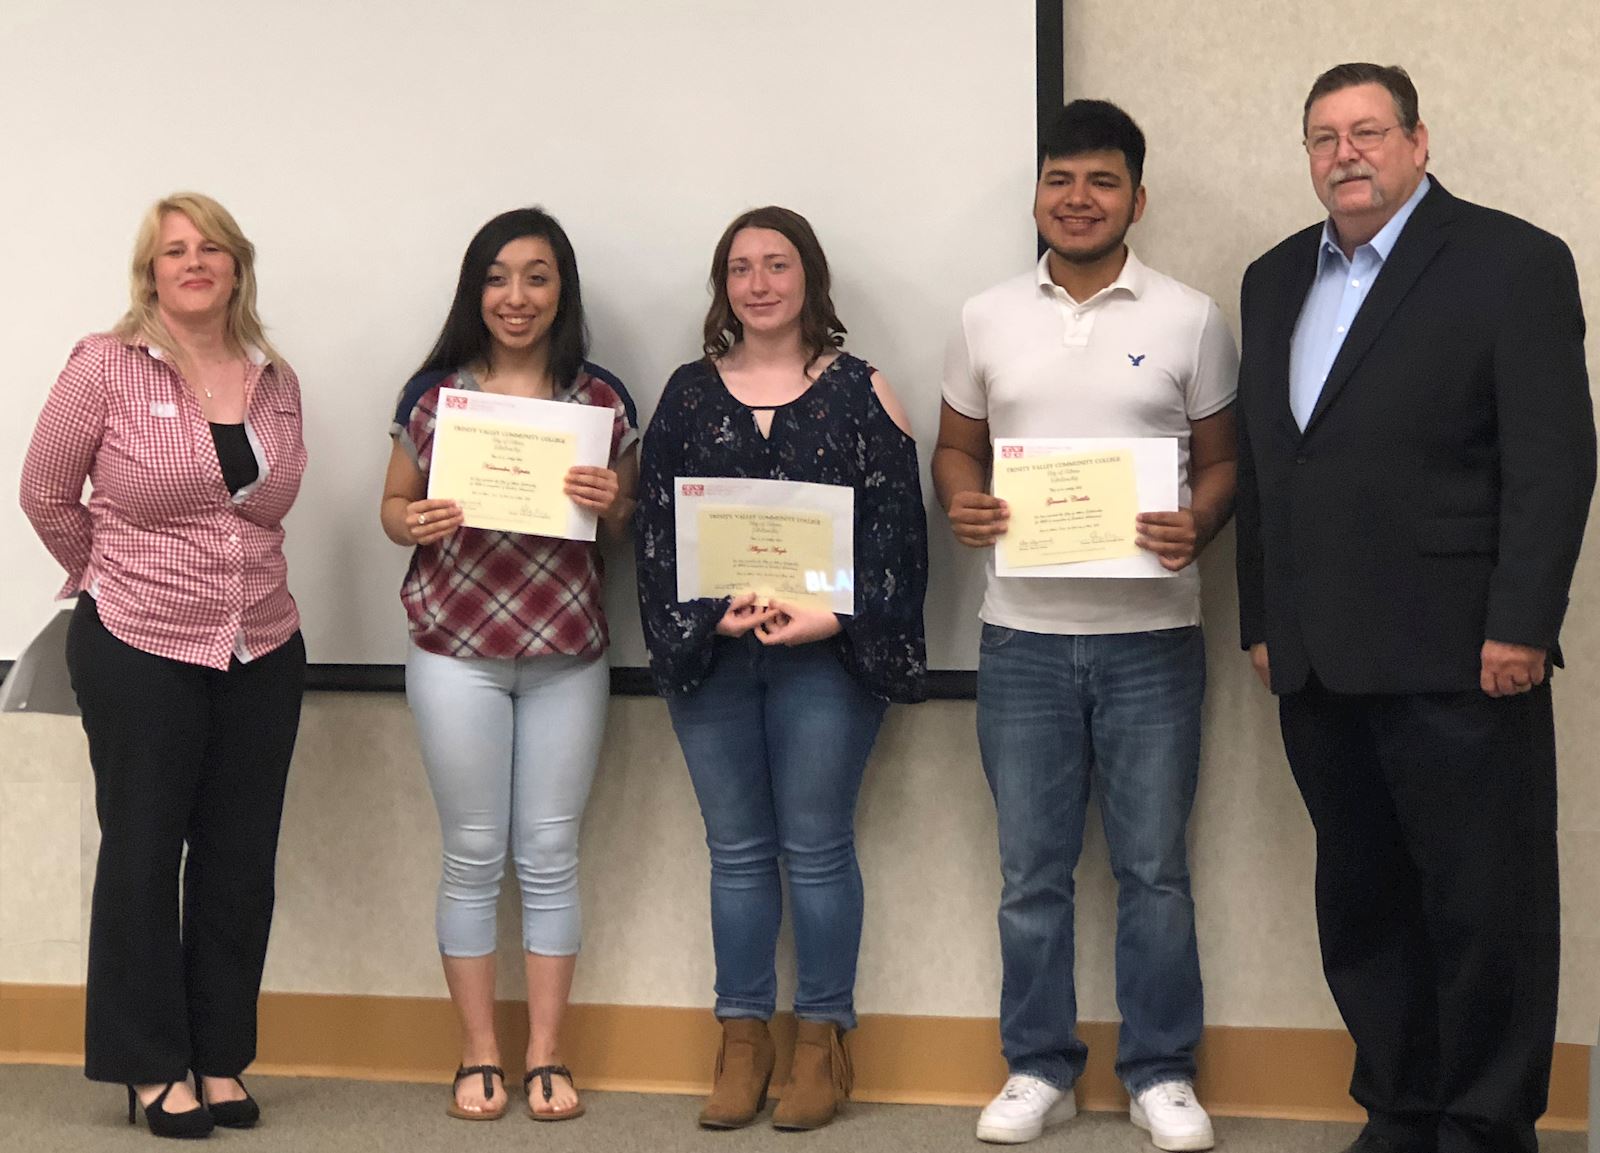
(1418, 243)
(1302, 269)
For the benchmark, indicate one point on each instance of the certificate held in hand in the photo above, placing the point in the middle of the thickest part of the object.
(1073, 504)
(504, 460)
(1067, 507)
(783, 540)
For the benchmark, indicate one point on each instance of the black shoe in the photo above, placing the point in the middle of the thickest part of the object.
(230, 1114)
(196, 1122)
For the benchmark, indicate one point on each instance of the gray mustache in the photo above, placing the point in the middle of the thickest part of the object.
(1352, 171)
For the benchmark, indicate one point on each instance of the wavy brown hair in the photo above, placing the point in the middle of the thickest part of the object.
(820, 326)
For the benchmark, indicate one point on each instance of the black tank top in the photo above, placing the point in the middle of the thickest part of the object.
(234, 454)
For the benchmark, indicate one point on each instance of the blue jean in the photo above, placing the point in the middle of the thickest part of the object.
(1123, 710)
(510, 748)
(776, 740)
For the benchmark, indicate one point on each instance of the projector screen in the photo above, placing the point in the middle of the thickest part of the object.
(360, 146)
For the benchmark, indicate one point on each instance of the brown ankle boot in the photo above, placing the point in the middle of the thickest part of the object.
(744, 1066)
(819, 1077)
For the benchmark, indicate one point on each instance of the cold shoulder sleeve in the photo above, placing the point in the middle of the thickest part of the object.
(884, 643)
(679, 636)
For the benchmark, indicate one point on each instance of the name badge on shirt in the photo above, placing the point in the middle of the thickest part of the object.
(163, 408)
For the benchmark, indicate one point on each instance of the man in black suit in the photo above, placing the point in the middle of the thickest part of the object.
(1412, 497)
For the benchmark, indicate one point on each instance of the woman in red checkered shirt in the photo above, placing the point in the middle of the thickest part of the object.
(185, 654)
(506, 674)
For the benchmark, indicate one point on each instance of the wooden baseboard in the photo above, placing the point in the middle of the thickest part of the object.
(1297, 1074)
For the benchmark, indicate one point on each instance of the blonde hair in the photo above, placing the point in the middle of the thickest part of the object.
(142, 321)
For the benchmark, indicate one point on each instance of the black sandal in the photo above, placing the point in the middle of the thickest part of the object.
(544, 1073)
(489, 1073)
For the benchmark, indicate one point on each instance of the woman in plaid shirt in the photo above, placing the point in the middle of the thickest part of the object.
(507, 674)
(185, 654)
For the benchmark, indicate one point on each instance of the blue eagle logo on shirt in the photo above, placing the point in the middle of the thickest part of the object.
(1136, 361)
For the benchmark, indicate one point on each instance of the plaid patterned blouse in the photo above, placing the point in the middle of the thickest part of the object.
(505, 595)
(179, 566)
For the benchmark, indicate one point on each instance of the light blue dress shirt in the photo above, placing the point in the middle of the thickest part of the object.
(1336, 296)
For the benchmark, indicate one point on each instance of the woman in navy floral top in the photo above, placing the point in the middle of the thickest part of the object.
(777, 705)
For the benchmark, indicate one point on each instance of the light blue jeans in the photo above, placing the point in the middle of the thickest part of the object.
(1123, 710)
(510, 748)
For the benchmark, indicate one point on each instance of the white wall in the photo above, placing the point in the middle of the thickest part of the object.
(361, 145)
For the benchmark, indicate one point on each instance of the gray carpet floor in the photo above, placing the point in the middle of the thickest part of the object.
(54, 1110)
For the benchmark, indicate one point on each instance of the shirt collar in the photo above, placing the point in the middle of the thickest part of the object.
(1383, 243)
(1130, 280)
(253, 354)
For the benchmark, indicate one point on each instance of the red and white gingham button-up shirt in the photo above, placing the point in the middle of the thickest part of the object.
(178, 566)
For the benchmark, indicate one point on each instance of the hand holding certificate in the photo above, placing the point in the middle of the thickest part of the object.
(1065, 507)
(504, 460)
(1073, 504)
(785, 540)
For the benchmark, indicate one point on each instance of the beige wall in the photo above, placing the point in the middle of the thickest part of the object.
(1509, 98)
(359, 858)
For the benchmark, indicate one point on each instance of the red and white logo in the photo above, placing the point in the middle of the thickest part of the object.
(1011, 451)
(693, 490)
(455, 402)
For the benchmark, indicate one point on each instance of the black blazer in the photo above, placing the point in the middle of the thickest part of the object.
(1438, 495)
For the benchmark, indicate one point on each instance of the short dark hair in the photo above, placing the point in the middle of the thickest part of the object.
(1390, 76)
(820, 327)
(1094, 126)
(465, 339)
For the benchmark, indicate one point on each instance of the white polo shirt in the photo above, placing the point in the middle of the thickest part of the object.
(1144, 356)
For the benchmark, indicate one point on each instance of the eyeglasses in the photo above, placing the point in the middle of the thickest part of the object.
(1361, 139)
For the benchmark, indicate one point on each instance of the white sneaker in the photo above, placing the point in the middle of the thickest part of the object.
(1173, 1116)
(1023, 1109)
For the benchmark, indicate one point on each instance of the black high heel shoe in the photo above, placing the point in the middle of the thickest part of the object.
(193, 1123)
(230, 1114)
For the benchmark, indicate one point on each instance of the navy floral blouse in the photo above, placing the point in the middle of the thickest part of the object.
(837, 432)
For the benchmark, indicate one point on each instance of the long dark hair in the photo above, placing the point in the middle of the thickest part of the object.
(465, 340)
(820, 327)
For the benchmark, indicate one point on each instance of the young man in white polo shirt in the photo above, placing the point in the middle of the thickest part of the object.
(1086, 678)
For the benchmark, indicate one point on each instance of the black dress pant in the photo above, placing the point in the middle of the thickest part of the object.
(182, 755)
(1437, 904)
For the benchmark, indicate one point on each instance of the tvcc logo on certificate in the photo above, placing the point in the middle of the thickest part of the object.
(455, 402)
(693, 490)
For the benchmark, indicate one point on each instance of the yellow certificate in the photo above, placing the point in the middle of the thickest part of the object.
(768, 551)
(780, 539)
(1068, 507)
(504, 459)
